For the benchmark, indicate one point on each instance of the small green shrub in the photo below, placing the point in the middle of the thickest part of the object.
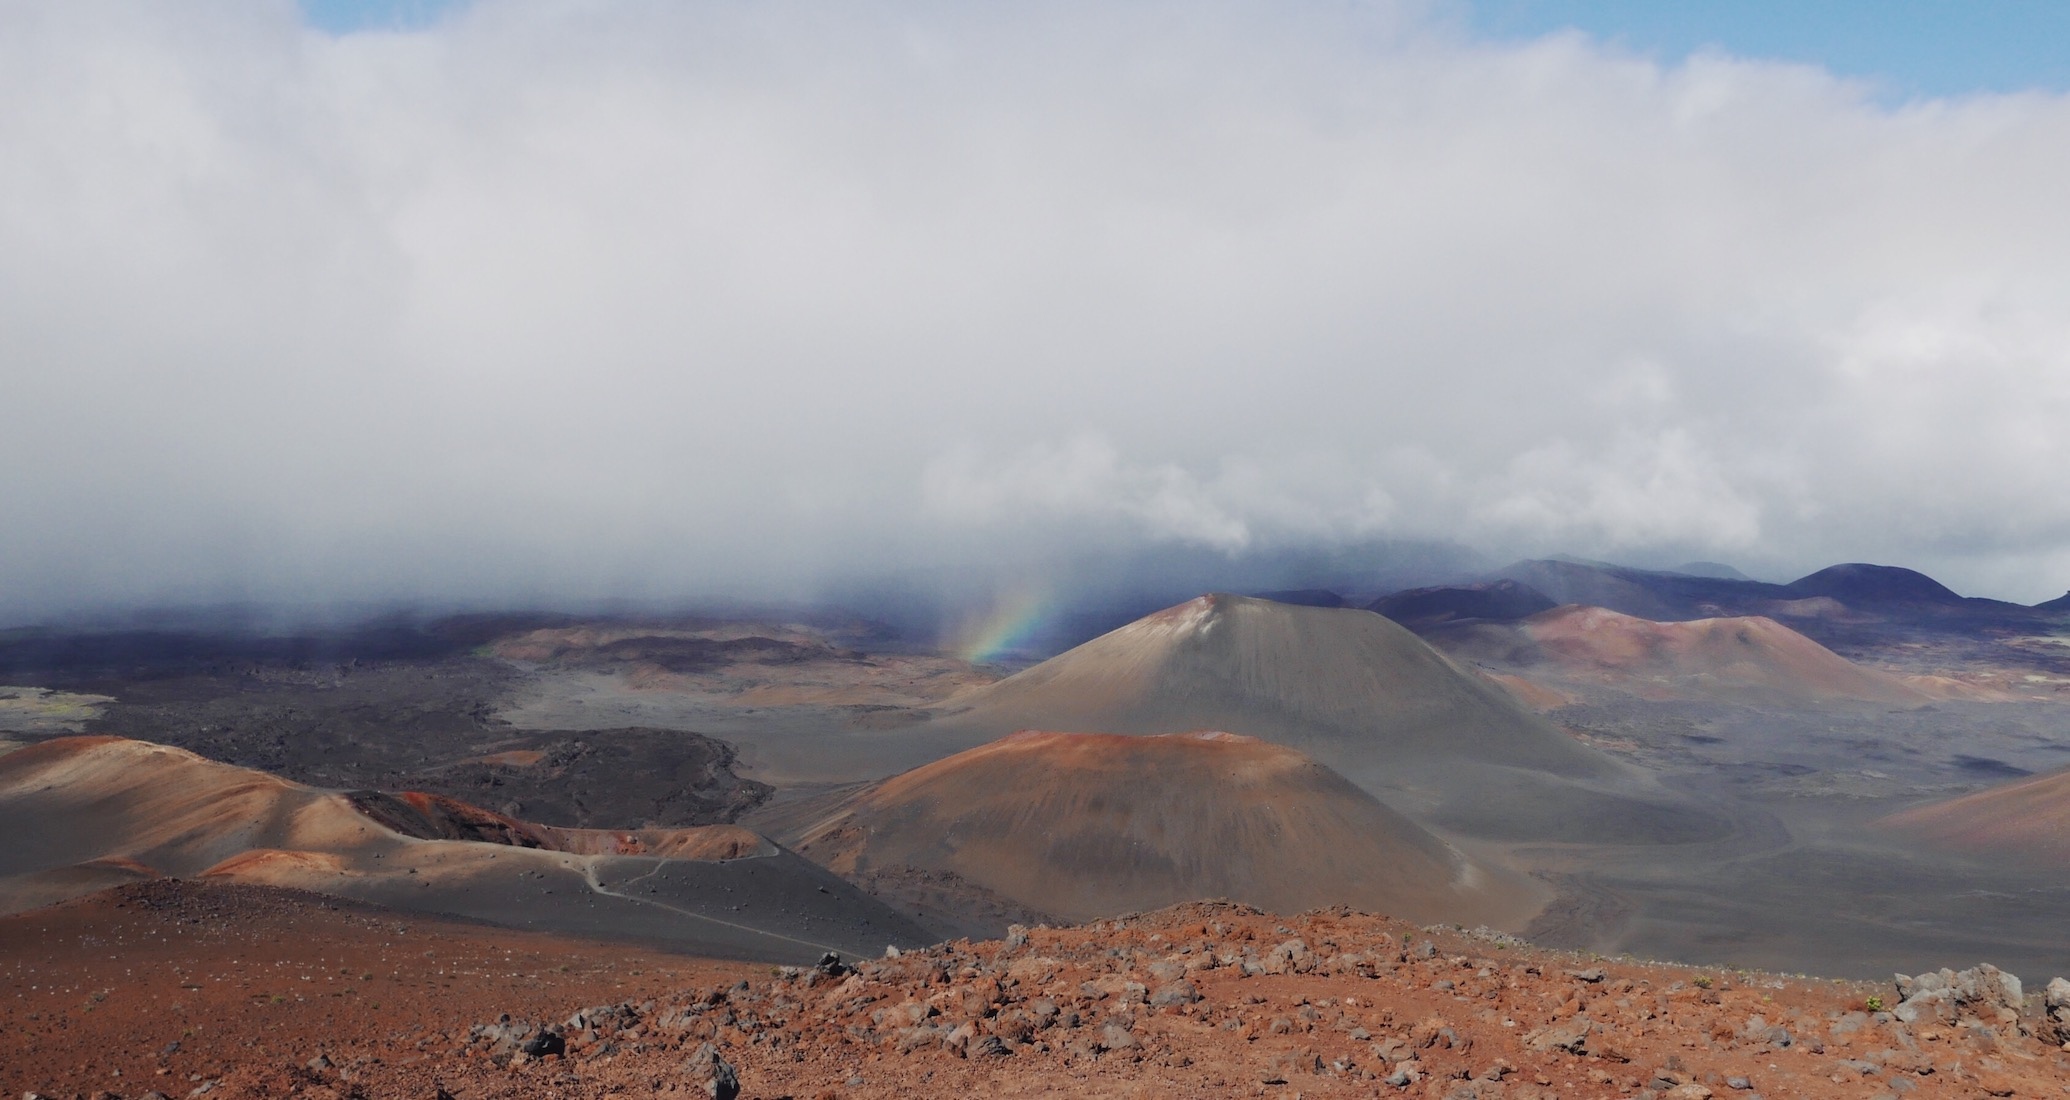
(1873, 1004)
(1701, 981)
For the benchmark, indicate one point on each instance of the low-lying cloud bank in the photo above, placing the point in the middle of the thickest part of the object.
(647, 299)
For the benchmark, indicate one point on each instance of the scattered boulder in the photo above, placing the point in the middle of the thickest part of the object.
(543, 1043)
(720, 1082)
(1982, 992)
(1128, 995)
(1181, 992)
(1116, 1037)
(1570, 1036)
(2056, 1002)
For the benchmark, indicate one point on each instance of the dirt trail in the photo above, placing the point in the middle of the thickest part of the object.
(589, 872)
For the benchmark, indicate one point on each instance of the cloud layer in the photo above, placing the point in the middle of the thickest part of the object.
(560, 300)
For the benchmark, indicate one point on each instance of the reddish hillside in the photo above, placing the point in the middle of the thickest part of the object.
(165, 984)
(1089, 825)
(92, 812)
(2027, 818)
(1745, 658)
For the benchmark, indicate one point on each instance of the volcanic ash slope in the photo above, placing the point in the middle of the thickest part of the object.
(2027, 819)
(85, 813)
(1092, 825)
(1356, 691)
(1348, 685)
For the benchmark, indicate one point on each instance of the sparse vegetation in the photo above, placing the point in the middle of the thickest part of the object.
(1873, 1004)
(1701, 981)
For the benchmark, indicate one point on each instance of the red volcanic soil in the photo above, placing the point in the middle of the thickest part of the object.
(2024, 819)
(1199, 1000)
(1746, 656)
(86, 814)
(170, 984)
(1089, 825)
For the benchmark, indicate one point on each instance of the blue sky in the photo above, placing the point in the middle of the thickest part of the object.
(1908, 48)
(353, 15)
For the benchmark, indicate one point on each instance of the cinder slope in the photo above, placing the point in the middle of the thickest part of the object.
(1359, 693)
(1348, 686)
(1747, 658)
(1091, 825)
(86, 811)
(2027, 819)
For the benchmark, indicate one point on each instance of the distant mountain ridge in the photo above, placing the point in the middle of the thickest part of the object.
(1494, 601)
(1861, 584)
(1666, 596)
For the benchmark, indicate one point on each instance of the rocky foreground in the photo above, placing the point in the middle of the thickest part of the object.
(1210, 1000)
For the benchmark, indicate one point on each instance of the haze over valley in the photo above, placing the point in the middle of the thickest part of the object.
(1465, 549)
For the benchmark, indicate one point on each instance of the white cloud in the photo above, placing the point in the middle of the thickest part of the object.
(637, 297)
(1086, 480)
(1638, 493)
(1082, 479)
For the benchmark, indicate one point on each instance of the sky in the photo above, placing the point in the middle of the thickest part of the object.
(1905, 48)
(539, 300)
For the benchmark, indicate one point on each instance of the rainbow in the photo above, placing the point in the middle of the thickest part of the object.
(1002, 628)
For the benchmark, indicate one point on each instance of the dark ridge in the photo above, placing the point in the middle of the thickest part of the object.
(700, 654)
(145, 653)
(2060, 603)
(1646, 593)
(200, 643)
(1497, 601)
(1715, 570)
(636, 777)
(1862, 584)
(1304, 597)
(435, 817)
(1985, 765)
